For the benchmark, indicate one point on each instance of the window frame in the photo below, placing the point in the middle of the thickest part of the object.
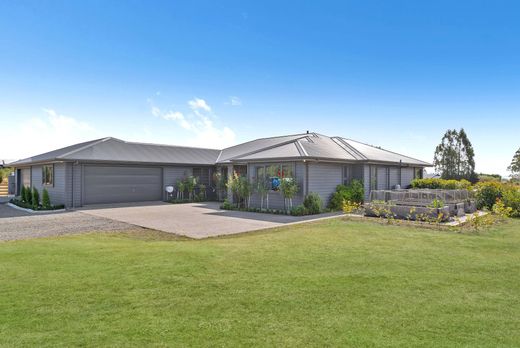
(278, 165)
(45, 168)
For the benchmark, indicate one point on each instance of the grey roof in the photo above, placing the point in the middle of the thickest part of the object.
(112, 149)
(319, 146)
(288, 147)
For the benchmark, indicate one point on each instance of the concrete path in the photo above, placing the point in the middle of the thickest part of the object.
(194, 220)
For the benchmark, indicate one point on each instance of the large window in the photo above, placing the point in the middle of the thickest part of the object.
(273, 173)
(48, 175)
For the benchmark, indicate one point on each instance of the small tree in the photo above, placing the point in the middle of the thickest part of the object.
(202, 191)
(514, 168)
(245, 189)
(220, 185)
(28, 195)
(22, 194)
(191, 183)
(46, 200)
(262, 188)
(35, 198)
(181, 187)
(289, 189)
(233, 185)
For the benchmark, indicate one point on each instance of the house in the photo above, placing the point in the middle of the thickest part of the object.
(110, 170)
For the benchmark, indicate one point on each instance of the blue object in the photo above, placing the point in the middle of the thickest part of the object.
(275, 183)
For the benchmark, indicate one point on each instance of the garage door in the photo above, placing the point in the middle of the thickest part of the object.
(118, 184)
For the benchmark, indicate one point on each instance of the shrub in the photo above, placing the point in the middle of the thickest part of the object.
(226, 205)
(46, 200)
(351, 207)
(28, 196)
(488, 193)
(313, 203)
(299, 210)
(353, 192)
(434, 183)
(511, 199)
(35, 198)
(22, 194)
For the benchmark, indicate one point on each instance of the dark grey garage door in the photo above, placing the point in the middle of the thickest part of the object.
(117, 184)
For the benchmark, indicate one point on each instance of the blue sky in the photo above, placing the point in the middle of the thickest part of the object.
(394, 74)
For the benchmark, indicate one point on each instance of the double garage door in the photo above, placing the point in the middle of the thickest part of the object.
(119, 184)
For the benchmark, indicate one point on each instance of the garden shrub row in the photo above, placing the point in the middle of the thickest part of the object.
(491, 192)
(443, 184)
(30, 199)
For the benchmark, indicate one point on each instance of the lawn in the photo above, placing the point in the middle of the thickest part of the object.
(331, 283)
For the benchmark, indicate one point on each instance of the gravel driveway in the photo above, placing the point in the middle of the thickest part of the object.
(15, 224)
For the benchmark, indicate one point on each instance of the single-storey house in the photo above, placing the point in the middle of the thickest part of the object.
(110, 170)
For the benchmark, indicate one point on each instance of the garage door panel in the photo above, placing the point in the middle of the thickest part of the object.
(115, 184)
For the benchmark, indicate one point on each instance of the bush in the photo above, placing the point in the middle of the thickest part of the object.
(35, 198)
(435, 183)
(354, 192)
(488, 193)
(299, 210)
(511, 199)
(28, 196)
(22, 194)
(46, 200)
(226, 205)
(351, 207)
(313, 203)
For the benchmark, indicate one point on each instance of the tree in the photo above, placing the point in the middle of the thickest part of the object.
(289, 189)
(454, 157)
(514, 168)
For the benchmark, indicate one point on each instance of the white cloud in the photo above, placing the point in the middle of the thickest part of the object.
(45, 133)
(234, 101)
(199, 104)
(202, 130)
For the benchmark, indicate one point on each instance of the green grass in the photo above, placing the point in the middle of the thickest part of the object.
(333, 283)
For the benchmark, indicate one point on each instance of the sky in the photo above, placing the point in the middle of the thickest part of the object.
(395, 74)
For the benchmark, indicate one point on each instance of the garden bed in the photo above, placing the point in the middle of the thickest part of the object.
(407, 212)
(16, 204)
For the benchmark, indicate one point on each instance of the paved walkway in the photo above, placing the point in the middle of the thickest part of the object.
(194, 220)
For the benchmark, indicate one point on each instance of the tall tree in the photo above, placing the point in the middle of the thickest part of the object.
(514, 168)
(454, 157)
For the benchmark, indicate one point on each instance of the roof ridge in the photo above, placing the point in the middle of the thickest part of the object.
(395, 153)
(356, 151)
(266, 148)
(300, 148)
(264, 138)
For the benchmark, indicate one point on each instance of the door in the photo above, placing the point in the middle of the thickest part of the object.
(119, 184)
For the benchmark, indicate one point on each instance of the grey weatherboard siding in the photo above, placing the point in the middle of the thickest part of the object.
(112, 170)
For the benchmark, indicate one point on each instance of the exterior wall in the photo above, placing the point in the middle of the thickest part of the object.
(57, 191)
(394, 177)
(382, 178)
(172, 174)
(407, 174)
(323, 179)
(25, 179)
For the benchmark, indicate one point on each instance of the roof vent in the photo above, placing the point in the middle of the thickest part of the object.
(307, 132)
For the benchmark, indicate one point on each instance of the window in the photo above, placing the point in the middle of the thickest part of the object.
(48, 175)
(260, 173)
(273, 173)
(418, 173)
(202, 175)
(287, 171)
